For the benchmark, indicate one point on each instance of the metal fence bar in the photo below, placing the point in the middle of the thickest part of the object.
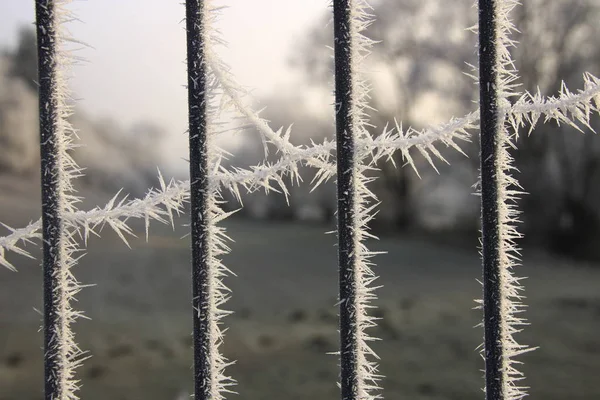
(345, 198)
(52, 224)
(488, 79)
(197, 101)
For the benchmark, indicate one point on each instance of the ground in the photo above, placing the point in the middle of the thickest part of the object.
(285, 320)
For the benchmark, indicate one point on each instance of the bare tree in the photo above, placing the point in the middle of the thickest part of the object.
(427, 49)
(24, 58)
(557, 43)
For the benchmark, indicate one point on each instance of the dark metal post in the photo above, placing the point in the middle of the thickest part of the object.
(345, 197)
(488, 78)
(197, 98)
(52, 225)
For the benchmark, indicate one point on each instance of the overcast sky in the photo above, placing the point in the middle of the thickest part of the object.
(136, 69)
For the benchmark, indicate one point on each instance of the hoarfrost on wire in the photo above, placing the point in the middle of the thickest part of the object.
(574, 109)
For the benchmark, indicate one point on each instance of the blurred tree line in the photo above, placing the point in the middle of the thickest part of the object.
(113, 157)
(423, 52)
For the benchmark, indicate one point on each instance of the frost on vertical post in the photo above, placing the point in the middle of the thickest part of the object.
(61, 354)
(359, 375)
(208, 240)
(499, 191)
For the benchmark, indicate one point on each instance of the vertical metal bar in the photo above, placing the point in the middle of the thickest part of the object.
(345, 198)
(197, 85)
(488, 78)
(52, 225)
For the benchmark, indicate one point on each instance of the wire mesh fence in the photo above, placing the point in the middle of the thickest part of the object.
(346, 159)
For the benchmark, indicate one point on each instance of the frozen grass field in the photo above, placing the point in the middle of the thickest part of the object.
(285, 317)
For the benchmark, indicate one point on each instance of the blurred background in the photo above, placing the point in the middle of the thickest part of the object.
(131, 115)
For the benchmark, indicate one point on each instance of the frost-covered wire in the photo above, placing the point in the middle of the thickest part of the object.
(573, 109)
(359, 375)
(208, 239)
(61, 353)
(499, 192)
(159, 203)
(567, 108)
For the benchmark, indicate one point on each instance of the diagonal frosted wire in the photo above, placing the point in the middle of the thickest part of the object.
(568, 107)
